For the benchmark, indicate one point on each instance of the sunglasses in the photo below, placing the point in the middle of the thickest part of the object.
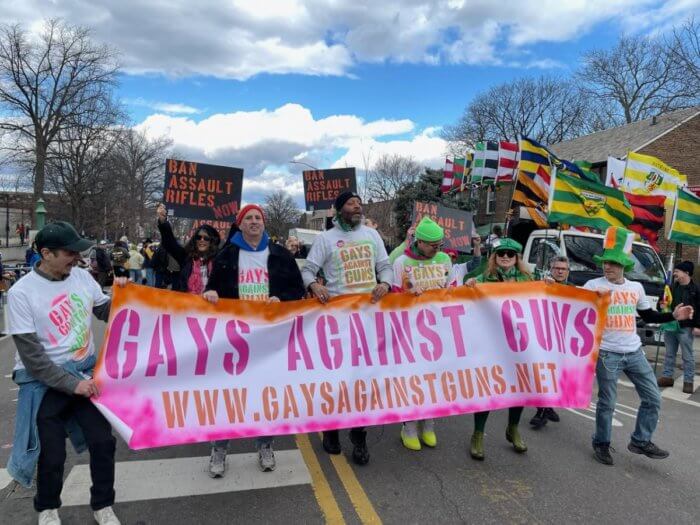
(202, 238)
(507, 253)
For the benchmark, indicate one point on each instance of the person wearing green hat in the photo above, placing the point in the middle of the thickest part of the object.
(621, 348)
(422, 266)
(504, 265)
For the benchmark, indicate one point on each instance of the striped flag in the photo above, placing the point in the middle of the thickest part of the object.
(648, 211)
(580, 202)
(485, 161)
(447, 176)
(507, 161)
(686, 218)
(458, 172)
(468, 159)
(647, 175)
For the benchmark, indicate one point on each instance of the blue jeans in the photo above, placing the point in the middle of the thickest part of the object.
(259, 442)
(635, 365)
(150, 277)
(684, 338)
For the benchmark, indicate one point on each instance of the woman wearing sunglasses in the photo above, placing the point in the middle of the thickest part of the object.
(504, 265)
(196, 258)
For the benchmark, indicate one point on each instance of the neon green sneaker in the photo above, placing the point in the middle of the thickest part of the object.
(427, 434)
(409, 436)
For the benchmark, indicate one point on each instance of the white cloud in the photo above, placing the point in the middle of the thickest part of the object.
(241, 38)
(264, 142)
(164, 107)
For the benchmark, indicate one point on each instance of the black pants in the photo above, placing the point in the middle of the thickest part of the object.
(56, 408)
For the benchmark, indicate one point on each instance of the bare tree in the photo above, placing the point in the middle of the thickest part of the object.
(683, 47)
(389, 174)
(77, 166)
(546, 109)
(281, 213)
(136, 173)
(47, 82)
(635, 80)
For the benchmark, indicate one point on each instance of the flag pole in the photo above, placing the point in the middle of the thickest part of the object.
(509, 212)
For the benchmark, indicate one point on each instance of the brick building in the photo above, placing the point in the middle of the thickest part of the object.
(673, 137)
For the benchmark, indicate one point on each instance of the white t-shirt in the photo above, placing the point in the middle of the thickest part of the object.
(59, 312)
(253, 277)
(349, 259)
(620, 333)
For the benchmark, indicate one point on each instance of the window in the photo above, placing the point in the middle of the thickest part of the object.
(490, 201)
(542, 250)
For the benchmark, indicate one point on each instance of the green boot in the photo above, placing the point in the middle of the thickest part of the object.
(513, 435)
(476, 449)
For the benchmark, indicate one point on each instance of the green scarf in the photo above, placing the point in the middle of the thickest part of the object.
(346, 227)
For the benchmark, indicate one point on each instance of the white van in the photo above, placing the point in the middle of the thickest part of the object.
(580, 247)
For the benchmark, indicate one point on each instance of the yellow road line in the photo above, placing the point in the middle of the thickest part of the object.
(358, 497)
(322, 489)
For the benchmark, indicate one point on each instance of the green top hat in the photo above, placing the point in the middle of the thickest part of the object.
(617, 248)
(505, 243)
(429, 231)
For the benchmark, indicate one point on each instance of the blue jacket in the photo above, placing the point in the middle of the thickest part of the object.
(26, 446)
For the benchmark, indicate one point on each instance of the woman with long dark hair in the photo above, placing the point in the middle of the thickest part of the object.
(505, 265)
(196, 257)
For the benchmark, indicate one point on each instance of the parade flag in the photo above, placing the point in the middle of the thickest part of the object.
(507, 161)
(648, 211)
(685, 224)
(468, 160)
(175, 369)
(647, 175)
(581, 202)
(447, 176)
(485, 161)
(615, 172)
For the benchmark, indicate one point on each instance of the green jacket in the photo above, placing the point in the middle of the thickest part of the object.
(501, 277)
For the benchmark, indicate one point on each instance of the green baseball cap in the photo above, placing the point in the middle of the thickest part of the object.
(63, 235)
(507, 244)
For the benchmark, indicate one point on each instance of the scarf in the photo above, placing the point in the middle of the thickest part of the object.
(195, 284)
(239, 241)
(508, 275)
(414, 253)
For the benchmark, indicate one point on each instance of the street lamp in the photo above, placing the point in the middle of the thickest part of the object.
(40, 212)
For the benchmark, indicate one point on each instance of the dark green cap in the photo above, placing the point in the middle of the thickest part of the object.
(63, 235)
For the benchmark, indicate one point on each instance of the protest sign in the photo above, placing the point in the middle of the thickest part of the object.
(175, 369)
(321, 187)
(202, 191)
(458, 224)
(223, 227)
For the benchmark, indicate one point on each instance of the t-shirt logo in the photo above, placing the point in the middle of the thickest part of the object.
(356, 260)
(69, 316)
(622, 311)
(340, 244)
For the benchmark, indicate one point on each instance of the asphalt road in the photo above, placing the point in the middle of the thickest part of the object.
(556, 481)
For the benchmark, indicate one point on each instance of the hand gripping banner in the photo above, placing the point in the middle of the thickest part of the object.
(175, 369)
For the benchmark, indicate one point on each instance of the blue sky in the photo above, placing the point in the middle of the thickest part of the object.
(257, 83)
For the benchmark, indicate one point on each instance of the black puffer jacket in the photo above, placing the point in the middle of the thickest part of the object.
(178, 252)
(285, 277)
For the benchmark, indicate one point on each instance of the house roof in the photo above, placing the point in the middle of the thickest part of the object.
(616, 142)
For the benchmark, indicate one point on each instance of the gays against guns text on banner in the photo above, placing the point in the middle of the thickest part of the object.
(176, 369)
(321, 187)
(458, 224)
(202, 191)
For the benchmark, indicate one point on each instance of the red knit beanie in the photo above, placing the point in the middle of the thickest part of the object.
(244, 211)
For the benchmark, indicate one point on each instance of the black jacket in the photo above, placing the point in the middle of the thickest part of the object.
(285, 277)
(689, 295)
(178, 252)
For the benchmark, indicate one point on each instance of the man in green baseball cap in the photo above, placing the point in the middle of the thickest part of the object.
(621, 348)
(59, 246)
